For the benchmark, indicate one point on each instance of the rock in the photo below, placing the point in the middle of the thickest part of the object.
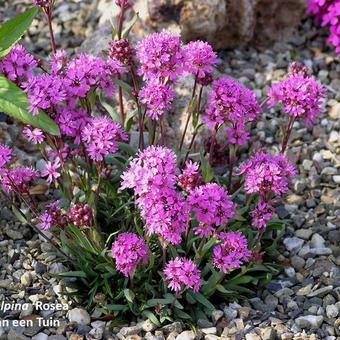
(334, 112)
(304, 233)
(321, 291)
(5, 283)
(14, 234)
(252, 336)
(40, 336)
(211, 337)
(297, 262)
(79, 315)
(148, 326)
(186, 335)
(133, 330)
(216, 315)
(57, 268)
(317, 241)
(268, 333)
(210, 330)
(14, 335)
(174, 327)
(309, 321)
(332, 311)
(40, 268)
(26, 279)
(293, 244)
(228, 23)
(230, 313)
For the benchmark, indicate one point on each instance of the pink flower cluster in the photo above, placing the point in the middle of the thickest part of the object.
(212, 207)
(18, 64)
(266, 174)
(52, 217)
(328, 12)
(128, 251)
(101, 137)
(17, 180)
(234, 105)
(157, 98)
(81, 215)
(190, 177)
(34, 135)
(6, 155)
(182, 273)
(152, 175)
(232, 252)
(299, 94)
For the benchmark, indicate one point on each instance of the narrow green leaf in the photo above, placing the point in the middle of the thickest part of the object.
(130, 26)
(152, 317)
(203, 300)
(13, 102)
(12, 30)
(73, 274)
(129, 295)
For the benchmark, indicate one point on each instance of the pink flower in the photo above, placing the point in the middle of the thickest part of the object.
(199, 58)
(44, 92)
(234, 105)
(123, 4)
(42, 3)
(265, 173)
(34, 135)
(153, 170)
(157, 98)
(17, 180)
(232, 252)
(190, 177)
(261, 215)
(81, 215)
(166, 214)
(128, 251)
(58, 62)
(17, 65)
(160, 56)
(300, 96)
(52, 217)
(120, 50)
(182, 273)
(51, 171)
(212, 206)
(6, 155)
(101, 137)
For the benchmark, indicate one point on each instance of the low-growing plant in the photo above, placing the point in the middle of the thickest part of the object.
(147, 230)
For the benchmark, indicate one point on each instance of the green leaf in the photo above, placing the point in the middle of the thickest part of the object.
(12, 30)
(129, 295)
(204, 301)
(13, 102)
(73, 274)
(182, 315)
(155, 302)
(117, 308)
(152, 317)
(129, 26)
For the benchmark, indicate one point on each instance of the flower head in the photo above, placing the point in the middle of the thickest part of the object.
(34, 135)
(299, 94)
(58, 62)
(232, 252)
(42, 3)
(262, 214)
(125, 4)
(51, 170)
(199, 58)
(81, 215)
(120, 50)
(17, 180)
(6, 155)
(182, 273)
(128, 251)
(265, 173)
(101, 137)
(154, 169)
(190, 177)
(160, 56)
(52, 217)
(212, 206)
(18, 64)
(157, 98)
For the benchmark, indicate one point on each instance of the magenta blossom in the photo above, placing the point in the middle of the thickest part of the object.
(166, 214)
(265, 173)
(212, 206)
(17, 180)
(154, 169)
(190, 177)
(182, 273)
(232, 252)
(51, 217)
(101, 137)
(125, 4)
(34, 135)
(160, 56)
(262, 214)
(6, 155)
(18, 64)
(81, 215)
(128, 251)
(51, 171)
(58, 62)
(199, 58)
(157, 98)
(299, 94)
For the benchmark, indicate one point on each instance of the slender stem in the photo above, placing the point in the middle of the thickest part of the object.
(189, 113)
(287, 134)
(164, 254)
(196, 129)
(232, 154)
(154, 127)
(121, 104)
(162, 129)
(212, 145)
(120, 23)
(50, 28)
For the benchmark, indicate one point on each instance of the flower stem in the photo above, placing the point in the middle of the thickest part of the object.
(287, 134)
(232, 156)
(212, 145)
(189, 113)
(49, 22)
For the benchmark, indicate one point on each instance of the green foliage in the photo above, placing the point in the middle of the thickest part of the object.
(13, 102)
(12, 30)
